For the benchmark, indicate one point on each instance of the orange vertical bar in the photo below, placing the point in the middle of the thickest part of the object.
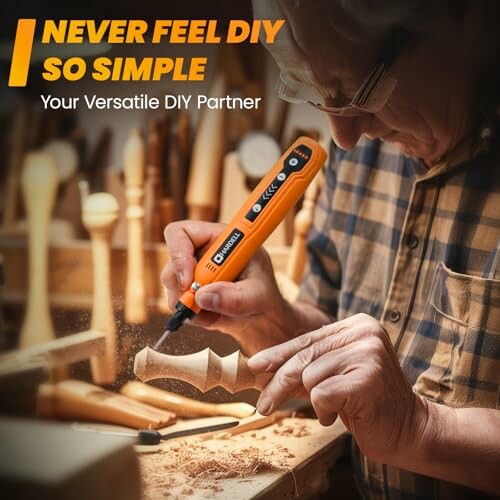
(21, 53)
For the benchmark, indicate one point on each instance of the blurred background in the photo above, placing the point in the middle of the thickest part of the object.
(170, 165)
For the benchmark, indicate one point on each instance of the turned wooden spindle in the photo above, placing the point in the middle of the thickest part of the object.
(202, 197)
(135, 294)
(74, 399)
(153, 185)
(39, 183)
(100, 213)
(65, 158)
(178, 164)
(205, 370)
(182, 406)
(302, 224)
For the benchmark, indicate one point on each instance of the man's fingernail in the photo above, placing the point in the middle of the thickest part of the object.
(208, 300)
(264, 405)
(259, 364)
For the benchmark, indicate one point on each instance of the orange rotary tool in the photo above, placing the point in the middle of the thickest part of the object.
(264, 209)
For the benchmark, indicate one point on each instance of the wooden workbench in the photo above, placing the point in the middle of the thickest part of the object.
(305, 462)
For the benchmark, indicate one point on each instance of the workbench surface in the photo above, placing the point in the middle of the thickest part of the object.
(301, 449)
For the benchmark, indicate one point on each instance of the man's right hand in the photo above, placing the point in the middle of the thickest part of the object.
(251, 309)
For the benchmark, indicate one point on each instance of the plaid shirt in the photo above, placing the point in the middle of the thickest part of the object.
(418, 249)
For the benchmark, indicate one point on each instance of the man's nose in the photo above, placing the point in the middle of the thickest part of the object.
(346, 130)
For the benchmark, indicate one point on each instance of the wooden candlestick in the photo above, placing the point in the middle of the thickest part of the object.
(65, 158)
(178, 163)
(39, 183)
(205, 370)
(100, 213)
(302, 224)
(135, 295)
(202, 197)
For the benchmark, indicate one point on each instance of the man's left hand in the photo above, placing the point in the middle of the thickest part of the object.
(348, 368)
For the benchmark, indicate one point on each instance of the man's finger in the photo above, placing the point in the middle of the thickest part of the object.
(329, 397)
(270, 360)
(183, 239)
(306, 369)
(242, 298)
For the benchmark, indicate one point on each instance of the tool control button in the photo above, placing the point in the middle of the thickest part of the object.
(293, 162)
(281, 176)
(257, 208)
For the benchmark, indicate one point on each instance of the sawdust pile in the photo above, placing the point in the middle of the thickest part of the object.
(183, 467)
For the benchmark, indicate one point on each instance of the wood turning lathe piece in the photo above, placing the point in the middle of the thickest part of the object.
(39, 183)
(100, 213)
(153, 184)
(302, 224)
(202, 196)
(182, 406)
(178, 163)
(74, 399)
(205, 370)
(133, 167)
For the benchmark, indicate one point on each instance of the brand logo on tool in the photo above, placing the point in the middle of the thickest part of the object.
(227, 247)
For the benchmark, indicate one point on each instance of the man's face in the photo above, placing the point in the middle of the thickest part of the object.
(414, 117)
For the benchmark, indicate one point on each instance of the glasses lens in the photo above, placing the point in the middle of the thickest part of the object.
(370, 98)
(297, 92)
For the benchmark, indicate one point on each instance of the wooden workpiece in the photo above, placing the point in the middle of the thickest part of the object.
(74, 399)
(202, 197)
(39, 184)
(182, 406)
(65, 158)
(100, 213)
(153, 185)
(205, 370)
(302, 224)
(177, 178)
(133, 167)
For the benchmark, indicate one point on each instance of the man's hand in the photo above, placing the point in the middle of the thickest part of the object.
(251, 309)
(348, 368)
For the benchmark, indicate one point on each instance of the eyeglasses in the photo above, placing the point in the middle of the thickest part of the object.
(370, 97)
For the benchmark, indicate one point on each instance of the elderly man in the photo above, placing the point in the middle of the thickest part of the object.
(397, 327)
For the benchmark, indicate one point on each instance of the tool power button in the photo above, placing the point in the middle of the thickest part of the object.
(296, 160)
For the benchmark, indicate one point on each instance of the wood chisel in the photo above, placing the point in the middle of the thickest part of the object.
(263, 210)
(152, 437)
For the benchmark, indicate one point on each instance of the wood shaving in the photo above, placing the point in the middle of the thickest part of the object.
(176, 471)
(292, 430)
